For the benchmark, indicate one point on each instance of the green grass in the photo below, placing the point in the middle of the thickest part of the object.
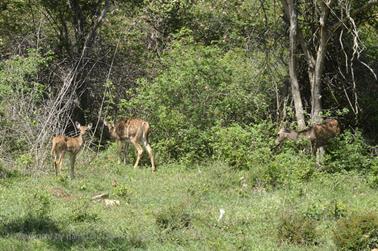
(174, 209)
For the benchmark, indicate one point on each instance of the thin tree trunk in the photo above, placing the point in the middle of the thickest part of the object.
(316, 106)
(316, 77)
(295, 91)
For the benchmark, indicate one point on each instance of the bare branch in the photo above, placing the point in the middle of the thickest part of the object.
(356, 12)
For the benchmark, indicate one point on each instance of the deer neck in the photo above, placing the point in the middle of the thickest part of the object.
(80, 140)
(293, 135)
(125, 133)
(307, 134)
(74, 144)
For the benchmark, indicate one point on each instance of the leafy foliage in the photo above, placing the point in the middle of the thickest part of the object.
(348, 152)
(243, 148)
(20, 97)
(200, 88)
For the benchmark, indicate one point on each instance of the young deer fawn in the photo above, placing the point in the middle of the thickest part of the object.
(318, 134)
(135, 131)
(62, 144)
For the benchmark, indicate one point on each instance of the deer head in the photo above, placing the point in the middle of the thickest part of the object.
(83, 129)
(284, 134)
(112, 129)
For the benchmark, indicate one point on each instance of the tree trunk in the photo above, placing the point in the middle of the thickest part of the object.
(295, 91)
(316, 81)
(316, 77)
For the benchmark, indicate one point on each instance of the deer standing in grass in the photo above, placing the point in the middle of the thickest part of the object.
(135, 131)
(72, 145)
(318, 134)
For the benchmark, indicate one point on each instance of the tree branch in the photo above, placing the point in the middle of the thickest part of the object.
(92, 34)
(310, 59)
(355, 13)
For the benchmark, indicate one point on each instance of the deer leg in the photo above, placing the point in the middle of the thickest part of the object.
(72, 160)
(314, 148)
(125, 152)
(120, 151)
(150, 154)
(59, 162)
(53, 154)
(122, 148)
(319, 157)
(139, 150)
(57, 156)
(55, 160)
(56, 166)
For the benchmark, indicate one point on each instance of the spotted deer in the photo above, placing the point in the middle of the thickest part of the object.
(135, 131)
(318, 134)
(72, 145)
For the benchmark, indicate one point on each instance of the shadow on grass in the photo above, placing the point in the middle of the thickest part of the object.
(49, 231)
(6, 174)
(29, 225)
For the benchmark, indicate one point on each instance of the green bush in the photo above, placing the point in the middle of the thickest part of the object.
(243, 147)
(25, 160)
(122, 191)
(357, 232)
(347, 152)
(21, 100)
(82, 213)
(39, 205)
(250, 148)
(5, 173)
(296, 229)
(199, 88)
(331, 210)
(373, 175)
(284, 169)
(173, 218)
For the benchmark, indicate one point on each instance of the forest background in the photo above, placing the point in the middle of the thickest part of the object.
(215, 80)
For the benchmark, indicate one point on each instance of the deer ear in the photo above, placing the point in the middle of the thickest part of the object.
(77, 124)
(89, 126)
(106, 123)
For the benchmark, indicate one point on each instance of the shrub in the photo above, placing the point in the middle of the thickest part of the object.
(296, 229)
(332, 210)
(24, 160)
(122, 191)
(5, 173)
(82, 213)
(199, 88)
(373, 176)
(39, 205)
(243, 147)
(348, 152)
(357, 232)
(173, 218)
(285, 169)
(23, 107)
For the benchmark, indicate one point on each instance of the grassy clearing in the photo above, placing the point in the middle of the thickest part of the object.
(176, 208)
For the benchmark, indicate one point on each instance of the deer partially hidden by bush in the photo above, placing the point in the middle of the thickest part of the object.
(318, 134)
(72, 145)
(135, 131)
